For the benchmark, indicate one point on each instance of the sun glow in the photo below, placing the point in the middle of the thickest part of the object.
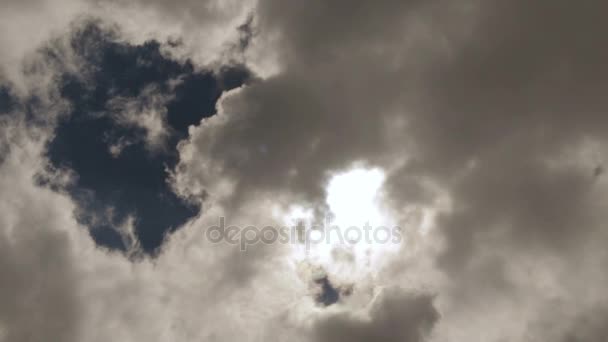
(355, 238)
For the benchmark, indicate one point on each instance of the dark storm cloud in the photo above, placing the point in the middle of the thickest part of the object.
(341, 28)
(322, 113)
(501, 124)
(483, 121)
(519, 92)
(494, 108)
(131, 181)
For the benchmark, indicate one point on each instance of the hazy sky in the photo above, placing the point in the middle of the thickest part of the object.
(469, 136)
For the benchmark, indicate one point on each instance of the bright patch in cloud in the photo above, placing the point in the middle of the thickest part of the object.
(357, 237)
(353, 197)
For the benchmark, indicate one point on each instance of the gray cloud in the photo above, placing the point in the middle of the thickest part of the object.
(396, 316)
(37, 282)
(489, 113)
(492, 113)
(590, 326)
(38, 296)
(516, 96)
(321, 113)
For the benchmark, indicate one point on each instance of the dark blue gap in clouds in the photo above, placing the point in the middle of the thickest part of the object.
(329, 294)
(108, 189)
(6, 100)
(6, 105)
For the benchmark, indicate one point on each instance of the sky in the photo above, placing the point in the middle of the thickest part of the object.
(314, 171)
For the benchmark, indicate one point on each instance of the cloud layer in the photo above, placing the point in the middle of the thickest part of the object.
(486, 117)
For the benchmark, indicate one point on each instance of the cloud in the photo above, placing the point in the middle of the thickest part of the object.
(486, 117)
(498, 118)
(395, 316)
(129, 108)
(59, 285)
(37, 260)
(478, 106)
(205, 29)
